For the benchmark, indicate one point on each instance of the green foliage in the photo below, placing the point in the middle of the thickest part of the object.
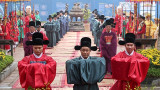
(153, 72)
(4, 63)
(87, 14)
(53, 14)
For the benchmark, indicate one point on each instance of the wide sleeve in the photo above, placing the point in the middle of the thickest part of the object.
(93, 71)
(50, 69)
(129, 68)
(73, 72)
(138, 68)
(48, 27)
(36, 75)
(120, 67)
(22, 68)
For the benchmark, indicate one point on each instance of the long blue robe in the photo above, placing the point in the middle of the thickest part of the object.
(57, 29)
(95, 29)
(63, 26)
(66, 18)
(60, 19)
(85, 73)
(98, 33)
(91, 20)
(50, 32)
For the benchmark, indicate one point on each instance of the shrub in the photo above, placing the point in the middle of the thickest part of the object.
(5, 60)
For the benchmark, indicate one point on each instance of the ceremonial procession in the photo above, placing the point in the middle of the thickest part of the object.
(79, 45)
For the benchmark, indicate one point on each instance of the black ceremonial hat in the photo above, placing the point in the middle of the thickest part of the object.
(85, 42)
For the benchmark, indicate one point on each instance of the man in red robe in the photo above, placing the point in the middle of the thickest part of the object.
(141, 27)
(37, 70)
(13, 28)
(128, 67)
(1, 34)
(38, 26)
(27, 19)
(119, 20)
(5, 31)
(33, 16)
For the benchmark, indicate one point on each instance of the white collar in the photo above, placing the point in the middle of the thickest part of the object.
(38, 56)
(101, 23)
(32, 32)
(38, 31)
(83, 58)
(109, 31)
(128, 53)
(65, 15)
(54, 20)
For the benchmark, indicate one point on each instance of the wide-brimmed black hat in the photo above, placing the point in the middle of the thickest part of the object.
(85, 42)
(142, 17)
(102, 17)
(61, 11)
(37, 39)
(55, 15)
(38, 24)
(31, 23)
(66, 12)
(58, 13)
(129, 38)
(110, 22)
(50, 16)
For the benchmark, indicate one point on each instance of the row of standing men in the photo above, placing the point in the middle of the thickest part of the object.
(56, 27)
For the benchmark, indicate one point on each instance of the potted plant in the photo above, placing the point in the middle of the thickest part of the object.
(86, 16)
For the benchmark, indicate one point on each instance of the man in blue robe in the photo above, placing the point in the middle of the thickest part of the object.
(50, 31)
(101, 27)
(93, 15)
(66, 18)
(56, 27)
(85, 71)
(60, 19)
(95, 28)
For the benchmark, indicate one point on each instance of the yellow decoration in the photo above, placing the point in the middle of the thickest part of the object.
(2, 55)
